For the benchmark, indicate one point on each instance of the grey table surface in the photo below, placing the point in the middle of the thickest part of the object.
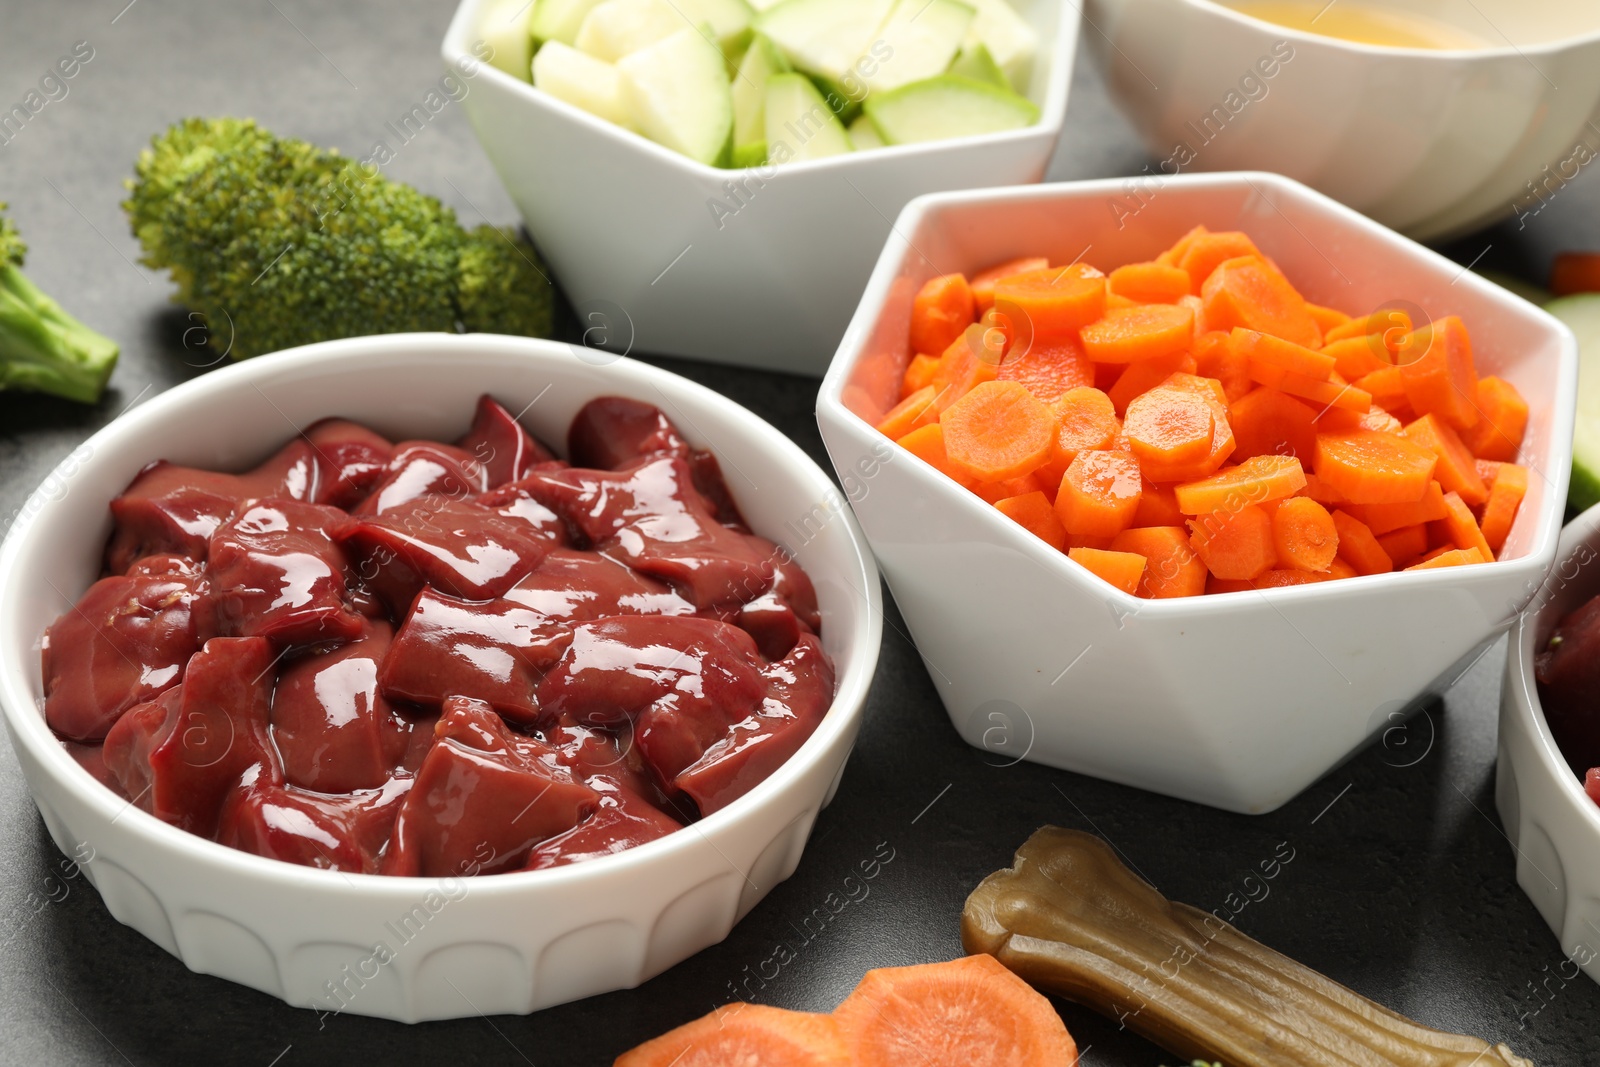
(1403, 883)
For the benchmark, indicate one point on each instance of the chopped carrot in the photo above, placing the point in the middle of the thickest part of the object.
(1374, 468)
(1405, 544)
(1058, 301)
(1149, 283)
(1255, 481)
(1236, 544)
(1575, 272)
(914, 411)
(1172, 256)
(942, 309)
(927, 444)
(1457, 471)
(1049, 368)
(1322, 492)
(1216, 359)
(1207, 251)
(1359, 547)
(1304, 534)
(1250, 292)
(1437, 369)
(1386, 518)
(1270, 357)
(1148, 331)
(1034, 513)
(1283, 577)
(972, 359)
(1085, 421)
(1173, 569)
(1390, 325)
(1461, 527)
(1169, 426)
(747, 1033)
(1340, 569)
(1357, 357)
(1144, 376)
(1450, 557)
(994, 492)
(1503, 419)
(1326, 318)
(1158, 506)
(1121, 569)
(1099, 494)
(1222, 445)
(1343, 420)
(983, 282)
(1267, 422)
(1209, 388)
(1216, 585)
(1117, 300)
(1505, 499)
(920, 372)
(970, 1011)
(1103, 544)
(1387, 388)
(1329, 394)
(997, 431)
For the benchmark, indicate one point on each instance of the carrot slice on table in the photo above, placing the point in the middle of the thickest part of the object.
(1145, 331)
(1386, 518)
(1121, 569)
(994, 492)
(1034, 513)
(1144, 376)
(1250, 292)
(1149, 283)
(1169, 426)
(1357, 357)
(1450, 557)
(1266, 422)
(1207, 251)
(1436, 366)
(972, 359)
(1255, 481)
(942, 309)
(1390, 325)
(1049, 369)
(915, 410)
(1374, 468)
(1502, 421)
(1457, 471)
(1405, 545)
(920, 372)
(1216, 359)
(1575, 272)
(1326, 318)
(927, 444)
(1158, 506)
(1304, 534)
(746, 1034)
(1058, 301)
(997, 431)
(1172, 567)
(1505, 498)
(983, 282)
(1234, 544)
(1099, 494)
(1359, 547)
(1461, 527)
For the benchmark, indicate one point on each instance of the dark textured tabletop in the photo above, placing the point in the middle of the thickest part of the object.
(1402, 884)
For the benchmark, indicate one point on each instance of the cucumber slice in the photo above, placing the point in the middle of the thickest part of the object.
(618, 28)
(728, 20)
(1010, 40)
(864, 135)
(825, 37)
(582, 81)
(677, 91)
(558, 20)
(800, 125)
(947, 106)
(1582, 314)
(760, 62)
(976, 63)
(918, 41)
(504, 28)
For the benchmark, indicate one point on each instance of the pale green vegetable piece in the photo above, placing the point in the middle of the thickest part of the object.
(1581, 313)
(558, 20)
(677, 91)
(582, 81)
(800, 125)
(825, 37)
(947, 106)
(976, 63)
(618, 28)
(761, 62)
(504, 28)
(1008, 37)
(919, 40)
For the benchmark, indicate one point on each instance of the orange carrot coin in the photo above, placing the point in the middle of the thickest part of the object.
(1437, 369)
(1505, 499)
(1250, 292)
(1359, 547)
(920, 372)
(1121, 569)
(983, 282)
(1386, 518)
(914, 411)
(1304, 534)
(1145, 331)
(1057, 301)
(1457, 471)
(1149, 283)
(1169, 426)
(1374, 468)
(1389, 325)
(1099, 494)
(1503, 419)
(1205, 252)
(1049, 369)
(1034, 513)
(1450, 557)
(998, 430)
(747, 1033)
(1257, 480)
(1234, 544)
(1172, 567)
(941, 310)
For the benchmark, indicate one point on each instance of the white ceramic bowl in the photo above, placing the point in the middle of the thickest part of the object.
(1237, 700)
(631, 231)
(1430, 142)
(1553, 825)
(498, 944)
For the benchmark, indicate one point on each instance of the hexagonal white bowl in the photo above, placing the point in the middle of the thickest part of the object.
(633, 233)
(1553, 826)
(1238, 700)
(508, 943)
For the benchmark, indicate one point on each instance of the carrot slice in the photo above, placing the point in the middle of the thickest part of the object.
(1172, 256)
(1359, 547)
(1173, 568)
(941, 310)
(1450, 557)
(1207, 251)
(1235, 544)
(1146, 331)
(1503, 419)
(1386, 518)
(1326, 318)
(1121, 569)
(1390, 325)
(1058, 301)
(1250, 292)
(1049, 369)
(1575, 272)
(914, 411)
(1255, 481)
(1304, 534)
(1457, 471)
(972, 359)
(983, 282)
(1436, 366)
(1357, 357)
(994, 492)
(1270, 357)
(1386, 388)
(1216, 585)
(1405, 544)
(1374, 468)
(1461, 527)
(1286, 576)
(1215, 358)
(920, 372)
(998, 430)
(1505, 499)
(1330, 394)
(1169, 426)
(927, 444)
(1141, 377)
(1322, 492)
(1158, 506)
(1267, 422)
(1099, 494)
(1034, 513)
(1222, 445)
(746, 1033)
(1149, 283)
(1085, 420)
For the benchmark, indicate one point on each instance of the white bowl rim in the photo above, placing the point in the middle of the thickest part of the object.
(830, 399)
(1052, 113)
(28, 727)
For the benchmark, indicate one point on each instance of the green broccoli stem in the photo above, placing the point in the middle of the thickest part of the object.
(44, 348)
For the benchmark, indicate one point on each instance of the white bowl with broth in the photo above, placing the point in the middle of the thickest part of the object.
(1440, 117)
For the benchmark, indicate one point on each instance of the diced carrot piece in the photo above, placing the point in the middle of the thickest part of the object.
(1304, 534)
(1340, 569)
(1146, 331)
(1215, 585)
(920, 373)
(1359, 547)
(1386, 518)
(1462, 527)
(1149, 283)
(1488, 470)
(994, 492)
(1450, 557)
(1085, 421)
(1436, 366)
(1173, 568)
(1502, 421)
(972, 359)
(1269, 357)
(1390, 325)
(1102, 544)
(1357, 357)
(1255, 481)
(983, 282)
(1141, 377)
(1280, 578)
(1172, 256)
(1326, 318)
(1386, 387)
(927, 444)
(914, 411)
(1252, 293)
(1117, 300)
(1405, 544)
(1099, 494)
(942, 310)
(747, 1033)
(1343, 420)
(1207, 251)
(997, 431)
(1058, 301)
(1121, 569)
(1327, 395)
(1034, 513)
(1049, 369)
(1267, 422)
(1169, 426)
(1215, 358)
(1505, 499)
(1158, 506)
(1457, 471)
(1236, 544)
(1199, 385)
(1374, 468)
(1575, 272)
(1322, 492)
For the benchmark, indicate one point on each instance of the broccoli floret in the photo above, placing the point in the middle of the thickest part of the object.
(280, 243)
(41, 346)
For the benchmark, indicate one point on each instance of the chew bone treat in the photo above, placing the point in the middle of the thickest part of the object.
(1073, 920)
